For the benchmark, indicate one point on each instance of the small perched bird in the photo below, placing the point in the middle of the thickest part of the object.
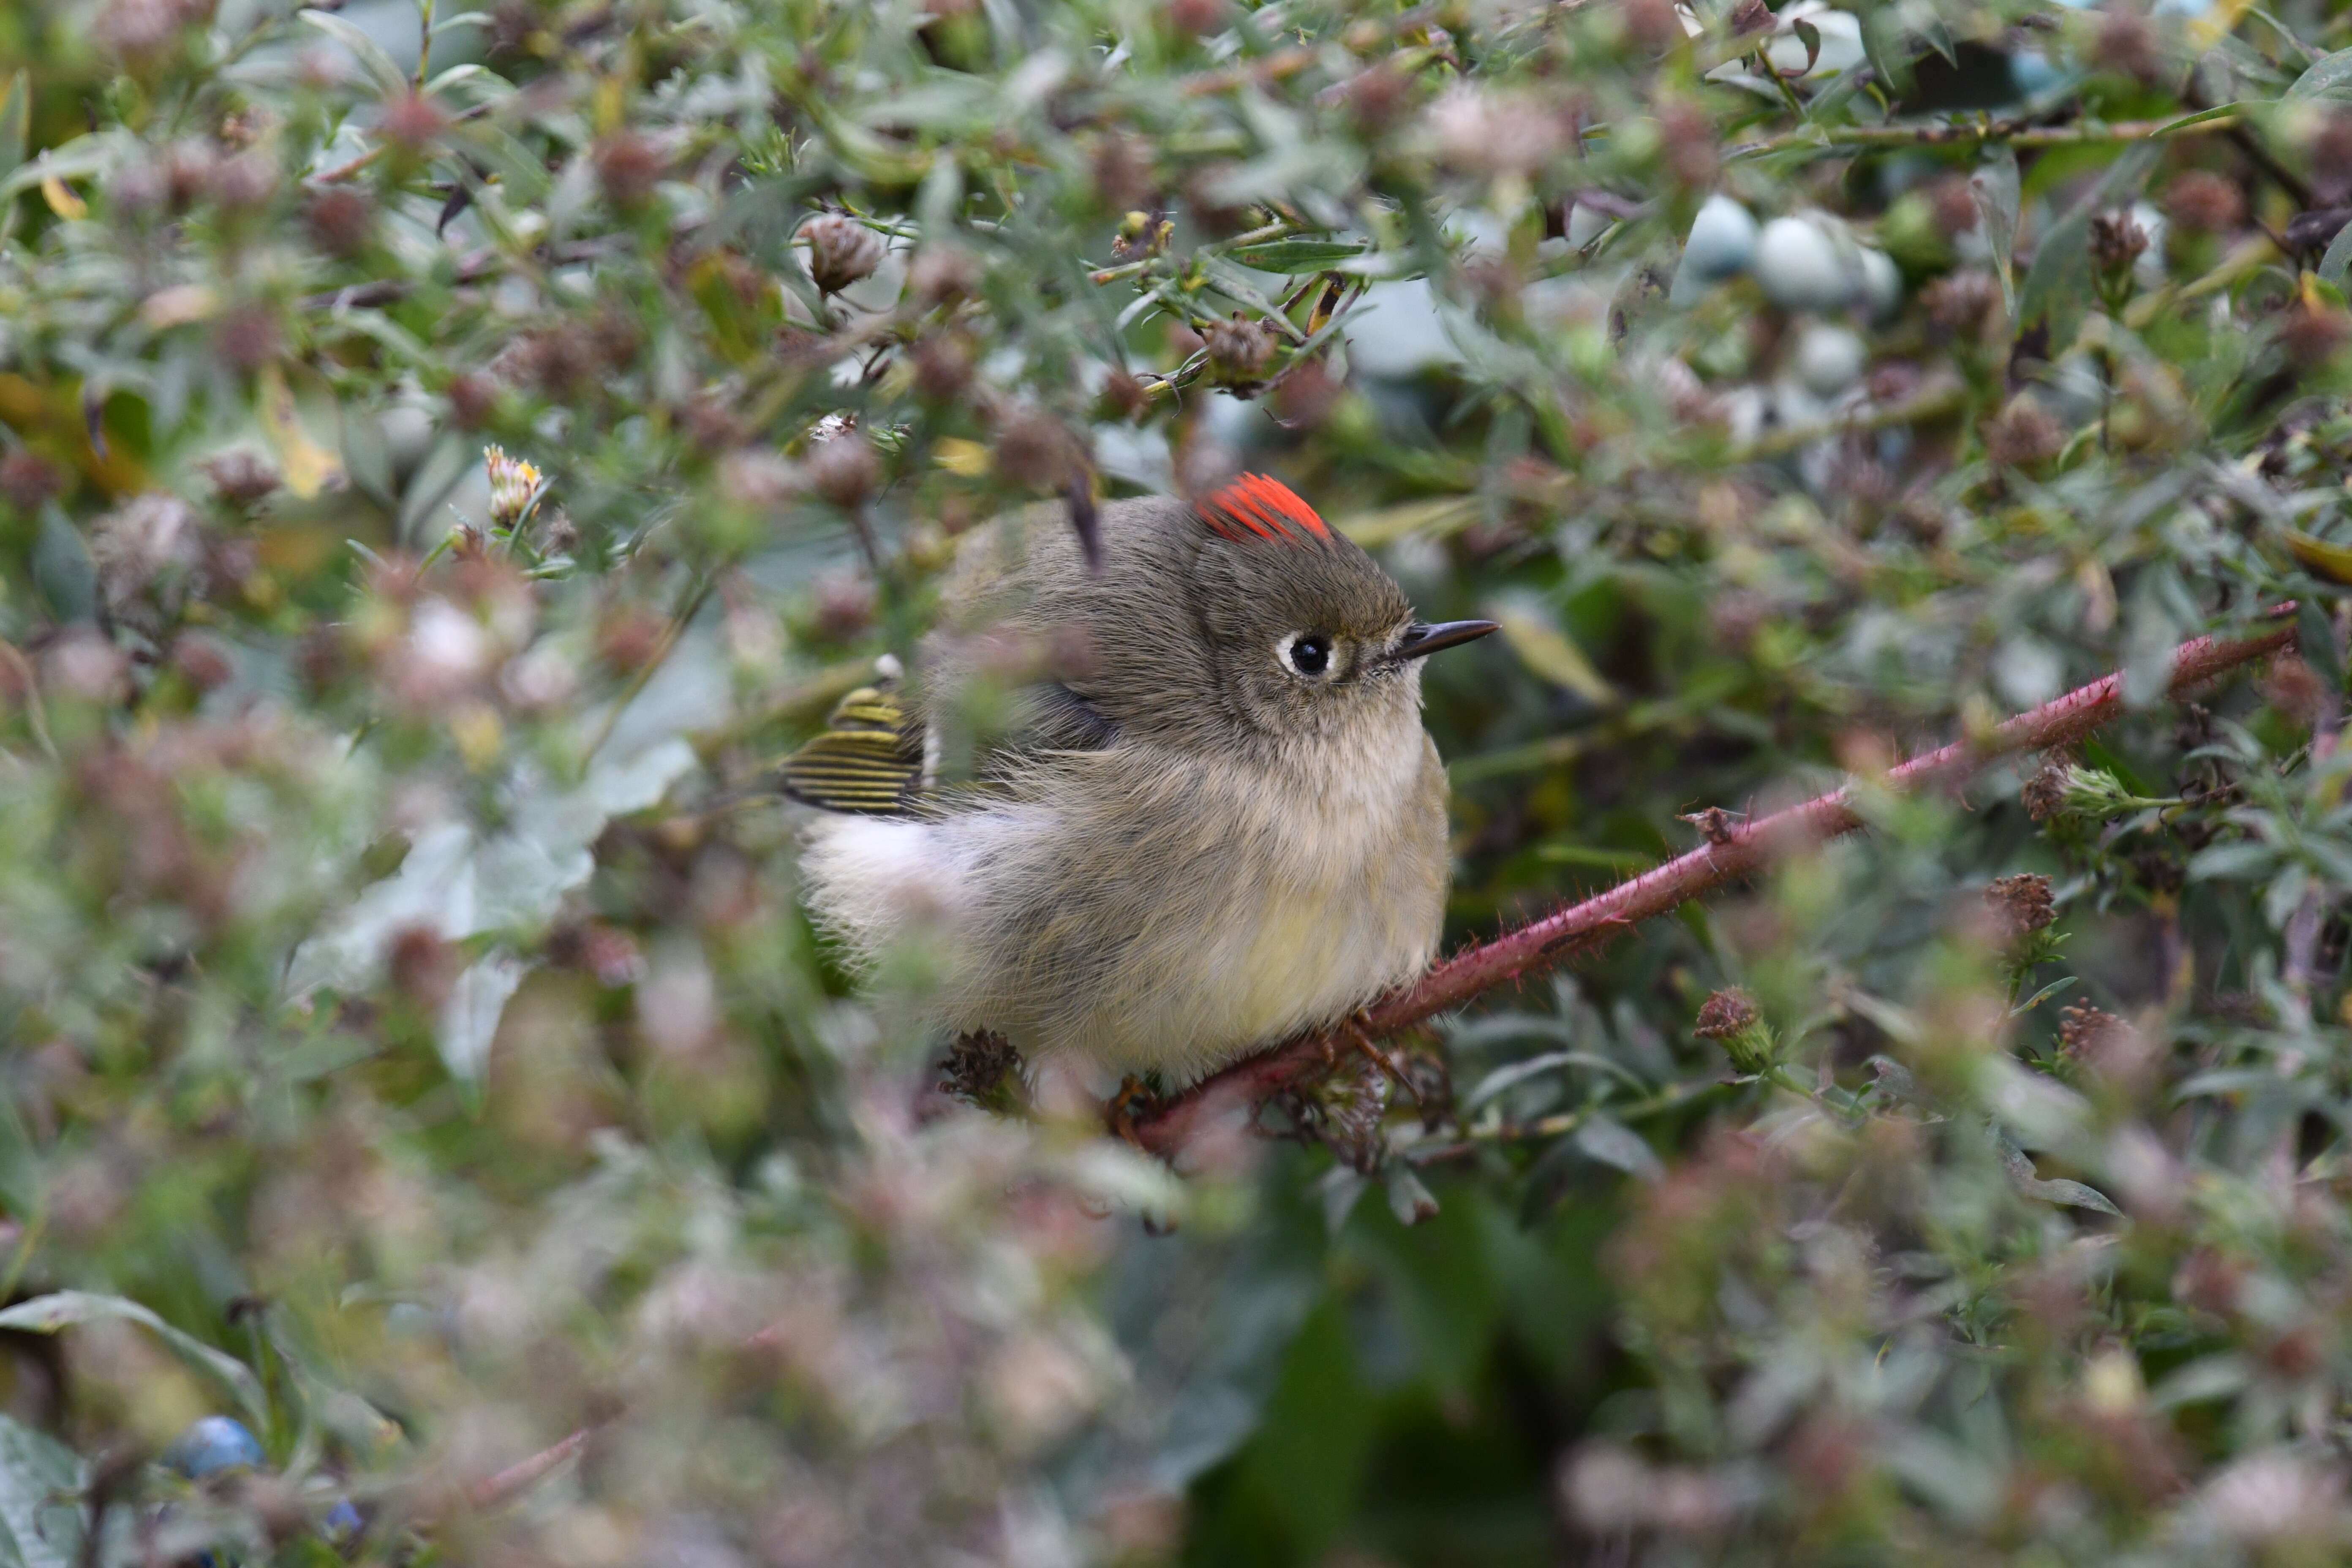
(1212, 819)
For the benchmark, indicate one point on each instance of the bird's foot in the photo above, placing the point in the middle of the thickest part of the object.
(1134, 1095)
(1357, 1032)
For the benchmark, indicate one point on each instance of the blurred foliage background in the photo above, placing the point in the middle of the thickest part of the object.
(447, 455)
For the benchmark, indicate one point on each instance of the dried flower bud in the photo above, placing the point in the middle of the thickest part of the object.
(1961, 302)
(146, 543)
(27, 479)
(1197, 17)
(249, 336)
(413, 122)
(561, 359)
(1122, 172)
(2204, 203)
(1689, 134)
(2329, 152)
(2102, 1044)
(515, 487)
(341, 222)
(1952, 203)
(245, 183)
(2020, 905)
(1033, 448)
(844, 468)
(1375, 94)
(1306, 395)
(942, 274)
(241, 475)
(202, 659)
(1239, 348)
(2312, 335)
(2070, 789)
(139, 29)
(1750, 17)
(2127, 44)
(423, 967)
(1480, 131)
(943, 367)
(473, 398)
(2044, 794)
(2116, 241)
(841, 251)
(1724, 1014)
(628, 166)
(628, 636)
(845, 607)
(2294, 688)
(1650, 26)
(1730, 1018)
(2024, 435)
(1123, 398)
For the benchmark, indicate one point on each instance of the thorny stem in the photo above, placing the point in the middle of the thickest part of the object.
(1576, 928)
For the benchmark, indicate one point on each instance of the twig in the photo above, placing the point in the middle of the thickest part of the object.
(688, 607)
(2016, 133)
(1165, 1128)
(521, 1476)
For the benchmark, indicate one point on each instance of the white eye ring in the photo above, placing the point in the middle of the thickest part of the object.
(1306, 655)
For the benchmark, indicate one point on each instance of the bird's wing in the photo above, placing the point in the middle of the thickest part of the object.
(867, 758)
(870, 757)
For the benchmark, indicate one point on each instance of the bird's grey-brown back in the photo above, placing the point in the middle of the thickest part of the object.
(1210, 840)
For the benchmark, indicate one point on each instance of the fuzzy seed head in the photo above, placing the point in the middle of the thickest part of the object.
(841, 251)
(2020, 905)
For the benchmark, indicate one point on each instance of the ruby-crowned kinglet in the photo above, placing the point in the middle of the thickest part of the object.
(1216, 823)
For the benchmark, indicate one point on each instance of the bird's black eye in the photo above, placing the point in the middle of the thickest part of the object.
(1310, 654)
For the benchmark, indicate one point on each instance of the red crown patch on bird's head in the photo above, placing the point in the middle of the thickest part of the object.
(1254, 506)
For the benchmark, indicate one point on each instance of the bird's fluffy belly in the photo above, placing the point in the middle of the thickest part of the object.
(1240, 915)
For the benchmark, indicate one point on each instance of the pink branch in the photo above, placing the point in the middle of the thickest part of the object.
(1579, 927)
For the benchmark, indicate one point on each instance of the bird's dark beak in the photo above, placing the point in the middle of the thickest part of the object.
(1421, 638)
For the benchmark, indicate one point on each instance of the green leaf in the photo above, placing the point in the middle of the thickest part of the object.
(1409, 1199)
(2057, 287)
(1614, 1144)
(1515, 1073)
(1295, 256)
(1547, 650)
(16, 122)
(2331, 77)
(2333, 562)
(69, 1309)
(2314, 638)
(2039, 997)
(62, 568)
(2072, 1194)
(2236, 861)
(1997, 191)
(41, 1520)
(389, 79)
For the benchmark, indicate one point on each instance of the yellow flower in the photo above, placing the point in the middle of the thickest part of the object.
(515, 487)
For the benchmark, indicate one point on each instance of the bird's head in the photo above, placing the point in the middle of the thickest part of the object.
(1305, 635)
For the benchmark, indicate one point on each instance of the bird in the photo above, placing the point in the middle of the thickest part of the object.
(1208, 820)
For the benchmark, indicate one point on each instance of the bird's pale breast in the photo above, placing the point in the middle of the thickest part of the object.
(1160, 911)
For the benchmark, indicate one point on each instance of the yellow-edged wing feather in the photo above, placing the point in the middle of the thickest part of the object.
(869, 758)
